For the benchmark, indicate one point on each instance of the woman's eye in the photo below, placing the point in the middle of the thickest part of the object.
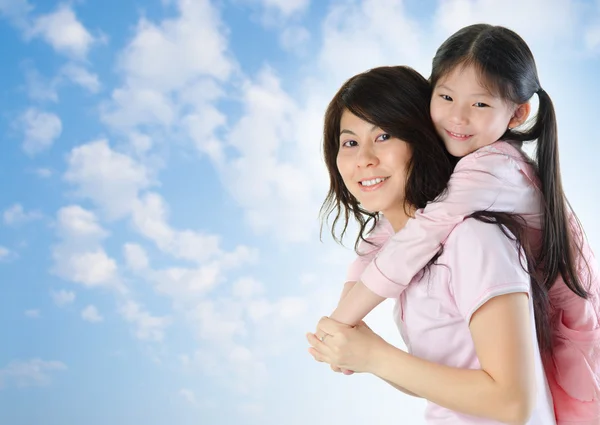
(349, 143)
(383, 137)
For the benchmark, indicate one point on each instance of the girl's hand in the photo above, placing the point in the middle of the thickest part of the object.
(350, 348)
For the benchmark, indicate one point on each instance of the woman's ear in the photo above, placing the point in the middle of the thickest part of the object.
(520, 115)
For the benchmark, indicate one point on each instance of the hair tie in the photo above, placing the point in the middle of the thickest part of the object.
(540, 91)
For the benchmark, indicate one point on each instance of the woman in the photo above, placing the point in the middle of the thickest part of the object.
(467, 318)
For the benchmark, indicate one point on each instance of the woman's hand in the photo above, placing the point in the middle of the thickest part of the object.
(350, 348)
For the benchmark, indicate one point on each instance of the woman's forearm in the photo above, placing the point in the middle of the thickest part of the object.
(399, 388)
(469, 391)
(358, 302)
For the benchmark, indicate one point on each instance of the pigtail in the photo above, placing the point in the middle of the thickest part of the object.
(559, 253)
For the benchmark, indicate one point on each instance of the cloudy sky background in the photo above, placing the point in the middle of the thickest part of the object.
(161, 177)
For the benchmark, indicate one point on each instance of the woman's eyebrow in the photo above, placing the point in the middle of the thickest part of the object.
(375, 127)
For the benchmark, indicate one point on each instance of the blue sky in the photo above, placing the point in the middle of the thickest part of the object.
(161, 178)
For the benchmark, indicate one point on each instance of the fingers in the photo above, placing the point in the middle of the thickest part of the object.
(335, 369)
(316, 342)
(318, 356)
(328, 325)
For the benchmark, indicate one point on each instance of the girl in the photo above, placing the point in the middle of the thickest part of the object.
(469, 323)
(482, 79)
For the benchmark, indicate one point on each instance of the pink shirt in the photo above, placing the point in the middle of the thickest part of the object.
(478, 263)
(499, 178)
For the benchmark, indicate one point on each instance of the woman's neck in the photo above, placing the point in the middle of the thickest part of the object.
(399, 216)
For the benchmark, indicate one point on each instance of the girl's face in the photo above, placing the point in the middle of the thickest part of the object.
(466, 115)
(373, 165)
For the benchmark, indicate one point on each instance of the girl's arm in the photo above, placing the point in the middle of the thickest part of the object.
(494, 178)
(347, 287)
(357, 303)
(503, 389)
(351, 311)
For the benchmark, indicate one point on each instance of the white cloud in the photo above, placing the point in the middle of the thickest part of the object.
(16, 11)
(294, 38)
(170, 55)
(592, 37)
(5, 253)
(75, 222)
(147, 327)
(91, 314)
(81, 76)
(135, 257)
(201, 126)
(559, 17)
(110, 179)
(79, 257)
(165, 61)
(141, 143)
(185, 285)
(33, 314)
(251, 409)
(247, 287)
(278, 9)
(41, 130)
(92, 268)
(219, 321)
(44, 172)
(15, 215)
(63, 31)
(269, 177)
(40, 88)
(116, 184)
(189, 396)
(150, 219)
(29, 373)
(62, 297)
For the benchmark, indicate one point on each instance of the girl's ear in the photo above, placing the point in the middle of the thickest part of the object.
(520, 115)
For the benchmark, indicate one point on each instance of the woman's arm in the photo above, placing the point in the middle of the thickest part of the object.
(404, 390)
(503, 389)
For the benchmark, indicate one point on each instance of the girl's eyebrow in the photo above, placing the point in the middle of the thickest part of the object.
(441, 86)
(479, 94)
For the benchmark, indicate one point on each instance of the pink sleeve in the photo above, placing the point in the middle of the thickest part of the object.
(487, 179)
(378, 237)
(484, 264)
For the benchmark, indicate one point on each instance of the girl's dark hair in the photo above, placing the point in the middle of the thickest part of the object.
(396, 99)
(507, 68)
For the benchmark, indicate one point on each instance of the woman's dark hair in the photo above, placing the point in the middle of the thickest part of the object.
(396, 99)
(507, 69)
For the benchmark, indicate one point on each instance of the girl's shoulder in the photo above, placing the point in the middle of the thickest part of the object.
(500, 158)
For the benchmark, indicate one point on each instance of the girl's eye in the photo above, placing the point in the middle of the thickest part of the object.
(446, 97)
(384, 137)
(349, 143)
(480, 105)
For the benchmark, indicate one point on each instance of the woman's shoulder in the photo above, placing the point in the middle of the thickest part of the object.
(472, 235)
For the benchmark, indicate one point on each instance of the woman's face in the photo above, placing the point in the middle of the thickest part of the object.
(373, 165)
